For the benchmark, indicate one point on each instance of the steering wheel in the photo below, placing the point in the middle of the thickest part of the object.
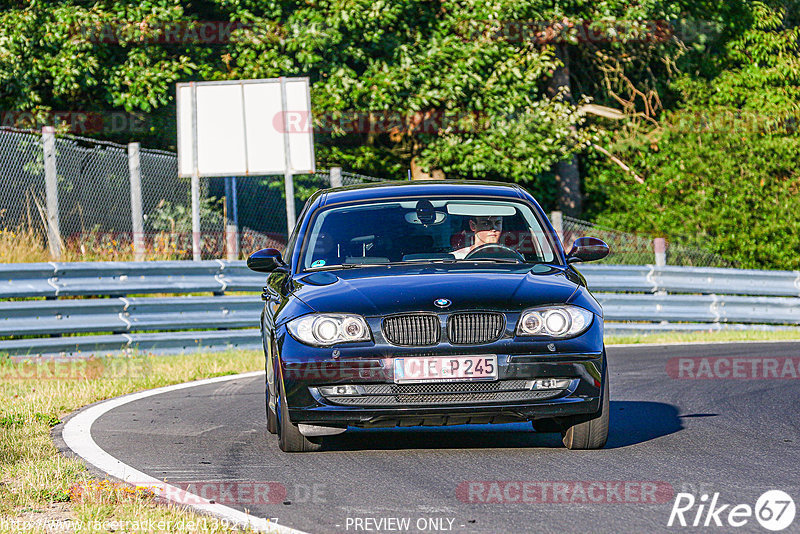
(494, 251)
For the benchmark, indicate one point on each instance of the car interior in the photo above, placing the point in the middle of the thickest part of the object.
(393, 233)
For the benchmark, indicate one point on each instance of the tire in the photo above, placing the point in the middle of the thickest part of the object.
(272, 417)
(289, 437)
(589, 433)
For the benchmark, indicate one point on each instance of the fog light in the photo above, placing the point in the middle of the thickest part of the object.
(532, 323)
(548, 383)
(341, 391)
(353, 328)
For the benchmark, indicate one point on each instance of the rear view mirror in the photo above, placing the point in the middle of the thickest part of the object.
(265, 260)
(587, 249)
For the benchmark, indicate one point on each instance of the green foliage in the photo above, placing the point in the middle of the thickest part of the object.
(711, 112)
(722, 172)
(304, 185)
(48, 419)
(371, 160)
(733, 193)
(411, 59)
(177, 219)
(16, 420)
(11, 420)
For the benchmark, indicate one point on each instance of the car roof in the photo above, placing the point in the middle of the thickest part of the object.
(419, 188)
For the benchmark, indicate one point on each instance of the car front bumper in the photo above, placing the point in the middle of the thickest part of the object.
(304, 369)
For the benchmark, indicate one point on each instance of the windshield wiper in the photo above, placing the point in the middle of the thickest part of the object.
(411, 262)
(344, 266)
(490, 260)
(424, 260)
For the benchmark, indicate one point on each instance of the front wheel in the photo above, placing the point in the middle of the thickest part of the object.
(272, 417)
(589, 433)
(289, 437)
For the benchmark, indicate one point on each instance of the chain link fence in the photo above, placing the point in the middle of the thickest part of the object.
(262, 217)
(22, 166)
(95, 214)
(94, 202)
(633, 249)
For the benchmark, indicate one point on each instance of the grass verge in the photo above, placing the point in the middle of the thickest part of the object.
(704, 337)
(40, 489)
(24, 245)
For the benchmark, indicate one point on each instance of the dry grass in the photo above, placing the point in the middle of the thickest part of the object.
(23, 245)
(38, 484)
(98, 246)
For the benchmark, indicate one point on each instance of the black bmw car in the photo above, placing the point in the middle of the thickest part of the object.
(430, 303)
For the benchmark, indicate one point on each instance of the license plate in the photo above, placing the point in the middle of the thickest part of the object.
(445, 368)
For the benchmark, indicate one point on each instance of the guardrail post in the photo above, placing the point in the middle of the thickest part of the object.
(660, 248)
(134, 169)
(558, 224)
(336, 177)
(51, 192)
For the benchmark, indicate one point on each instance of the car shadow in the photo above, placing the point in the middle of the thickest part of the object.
(631, 423)
(635, 422)
(510, 435)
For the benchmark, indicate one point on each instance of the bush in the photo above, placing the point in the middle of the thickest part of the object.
(722, 169)
(730, 192)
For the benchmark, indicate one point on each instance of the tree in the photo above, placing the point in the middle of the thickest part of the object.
(451, 87)
(441, 87)
(720, 171)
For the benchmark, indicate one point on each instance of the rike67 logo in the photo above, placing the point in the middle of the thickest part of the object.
(774, 510)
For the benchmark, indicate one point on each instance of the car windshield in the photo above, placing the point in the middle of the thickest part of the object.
(421, 230)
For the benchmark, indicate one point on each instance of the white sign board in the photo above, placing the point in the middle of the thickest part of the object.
(245, 127)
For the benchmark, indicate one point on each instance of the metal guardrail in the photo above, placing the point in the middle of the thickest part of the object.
(143, 323)
(700, 308)
(635, 298)
(51, 280)
(122, 315)
(148, 342)
(708, 280)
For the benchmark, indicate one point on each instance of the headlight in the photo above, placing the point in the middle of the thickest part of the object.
(554, 321)
(324, 329)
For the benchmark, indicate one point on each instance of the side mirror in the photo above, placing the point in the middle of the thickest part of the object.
(265, 260)
(587, 249)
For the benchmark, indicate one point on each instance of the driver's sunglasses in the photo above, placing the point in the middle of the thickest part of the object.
(489, 224)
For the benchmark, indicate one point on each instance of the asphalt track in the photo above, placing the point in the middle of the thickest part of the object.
(735, 436)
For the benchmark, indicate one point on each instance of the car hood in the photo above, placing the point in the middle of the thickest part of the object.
(371, 291)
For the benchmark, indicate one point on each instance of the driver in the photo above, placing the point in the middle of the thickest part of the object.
(486, 231)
